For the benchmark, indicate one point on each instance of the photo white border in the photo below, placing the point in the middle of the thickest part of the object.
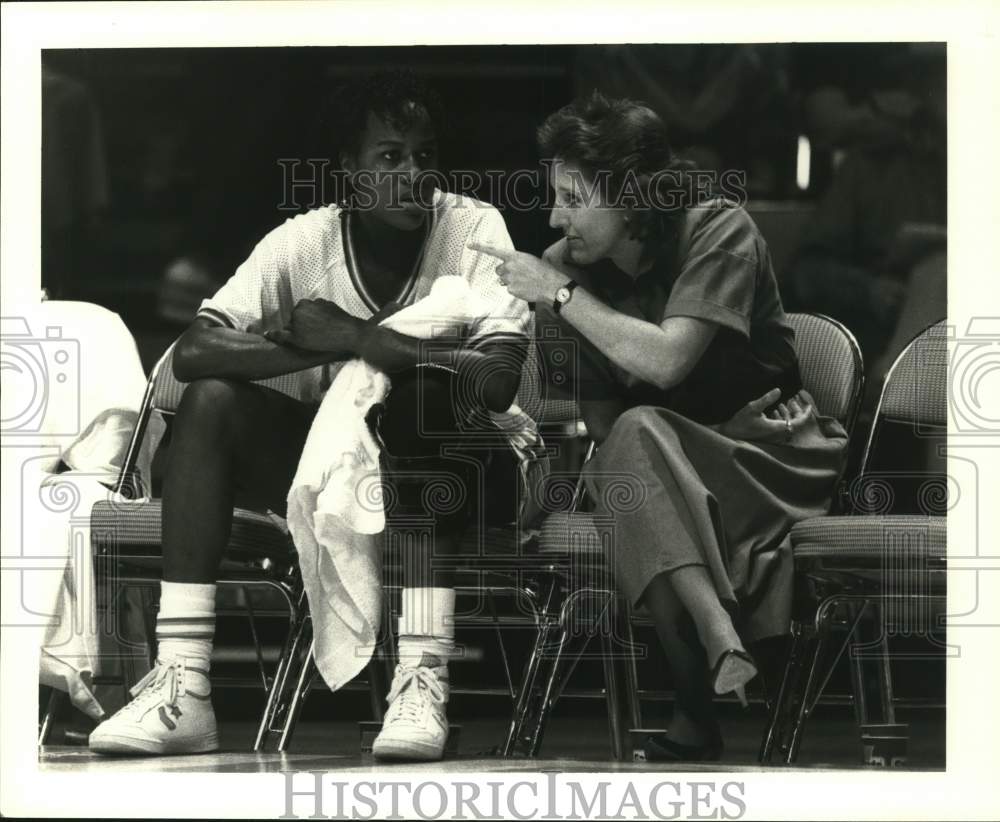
(970, 30)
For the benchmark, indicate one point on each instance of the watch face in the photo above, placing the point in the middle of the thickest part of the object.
(562, 295)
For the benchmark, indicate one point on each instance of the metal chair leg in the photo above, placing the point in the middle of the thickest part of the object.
(526, 693)
(632, 674)
(276, 693)
(615, 687)
(48, 720)
(547, 696)
(885, 672)
(775, 726)
(254, 636)
(871, 672)
(570, 647)
(272, 695)
(286, 675)
(306, 678)
(378, 669)
(859, 685)
(815, 683)
(557, 651)
(501, 644)
(524, 698)
(802, 711)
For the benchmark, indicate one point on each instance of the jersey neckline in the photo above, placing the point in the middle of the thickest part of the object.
(354, 270)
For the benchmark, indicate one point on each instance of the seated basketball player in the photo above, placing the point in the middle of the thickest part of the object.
(308, 299)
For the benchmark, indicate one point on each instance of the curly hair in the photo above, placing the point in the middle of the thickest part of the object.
(622, 146)
(396, 96)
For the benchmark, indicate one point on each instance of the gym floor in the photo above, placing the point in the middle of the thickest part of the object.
(830, 742)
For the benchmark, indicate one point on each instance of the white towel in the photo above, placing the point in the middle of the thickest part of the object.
(85, 361)
(334, 506)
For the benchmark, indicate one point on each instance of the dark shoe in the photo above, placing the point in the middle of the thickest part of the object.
(732, 671)
(660, 748)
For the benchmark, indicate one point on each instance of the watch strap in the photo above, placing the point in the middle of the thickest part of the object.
(556, 304)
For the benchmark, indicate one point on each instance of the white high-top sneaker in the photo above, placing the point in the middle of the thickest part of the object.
(167, 716)
(415, 725)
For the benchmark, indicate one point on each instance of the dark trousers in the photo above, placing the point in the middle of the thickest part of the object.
(236, 443)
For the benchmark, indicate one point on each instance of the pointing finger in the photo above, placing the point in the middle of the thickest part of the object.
(504, 254)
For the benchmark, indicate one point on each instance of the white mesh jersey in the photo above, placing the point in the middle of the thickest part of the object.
(307, 258)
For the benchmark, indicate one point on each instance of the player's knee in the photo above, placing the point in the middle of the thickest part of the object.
(633, 420)
(211, 403)
(419, 415)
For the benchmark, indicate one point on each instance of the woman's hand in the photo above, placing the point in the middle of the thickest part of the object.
(525, 276)
(319, 325)
(752, 422)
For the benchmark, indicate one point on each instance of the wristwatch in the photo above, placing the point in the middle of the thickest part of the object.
(563, 296)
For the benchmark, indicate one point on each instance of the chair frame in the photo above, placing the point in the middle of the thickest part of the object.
(842, 600)
(621, 691)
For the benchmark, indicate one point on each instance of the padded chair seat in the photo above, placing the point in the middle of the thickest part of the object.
(132, 529)
(855, 537)
(578, 534)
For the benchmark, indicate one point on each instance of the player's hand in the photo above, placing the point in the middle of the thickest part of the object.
(754, 422)
(319, 325)
(524, 275)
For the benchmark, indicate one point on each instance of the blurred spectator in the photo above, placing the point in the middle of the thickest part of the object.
(725, 106)
(186, 281)
(74, 181)
(885, 211)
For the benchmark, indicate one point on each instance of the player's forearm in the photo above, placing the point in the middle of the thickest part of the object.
(214, 351)
(488, 378)
(641, 348)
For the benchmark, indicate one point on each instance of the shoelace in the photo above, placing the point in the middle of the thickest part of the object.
(153, 684)
(411, 700)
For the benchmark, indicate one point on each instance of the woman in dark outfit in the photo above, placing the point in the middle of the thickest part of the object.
(688, 380)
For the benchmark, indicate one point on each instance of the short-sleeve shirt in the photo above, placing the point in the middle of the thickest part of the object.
(723, 274)
(308, 257)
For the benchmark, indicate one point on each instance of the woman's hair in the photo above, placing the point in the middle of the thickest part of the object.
(621, 146)
(396, 96)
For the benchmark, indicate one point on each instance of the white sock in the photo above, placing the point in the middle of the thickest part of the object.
(185, 626)
(427, 625)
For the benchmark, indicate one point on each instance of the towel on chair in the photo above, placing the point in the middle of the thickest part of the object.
(85, 362)
(335, 510)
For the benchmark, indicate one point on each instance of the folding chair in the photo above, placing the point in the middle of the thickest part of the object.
(868, 569)
(580, 604)
(127, 544)
(491, 565)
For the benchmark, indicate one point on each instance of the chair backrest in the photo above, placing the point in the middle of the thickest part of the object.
(831, 365)
(829, 358)
(916, 386)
